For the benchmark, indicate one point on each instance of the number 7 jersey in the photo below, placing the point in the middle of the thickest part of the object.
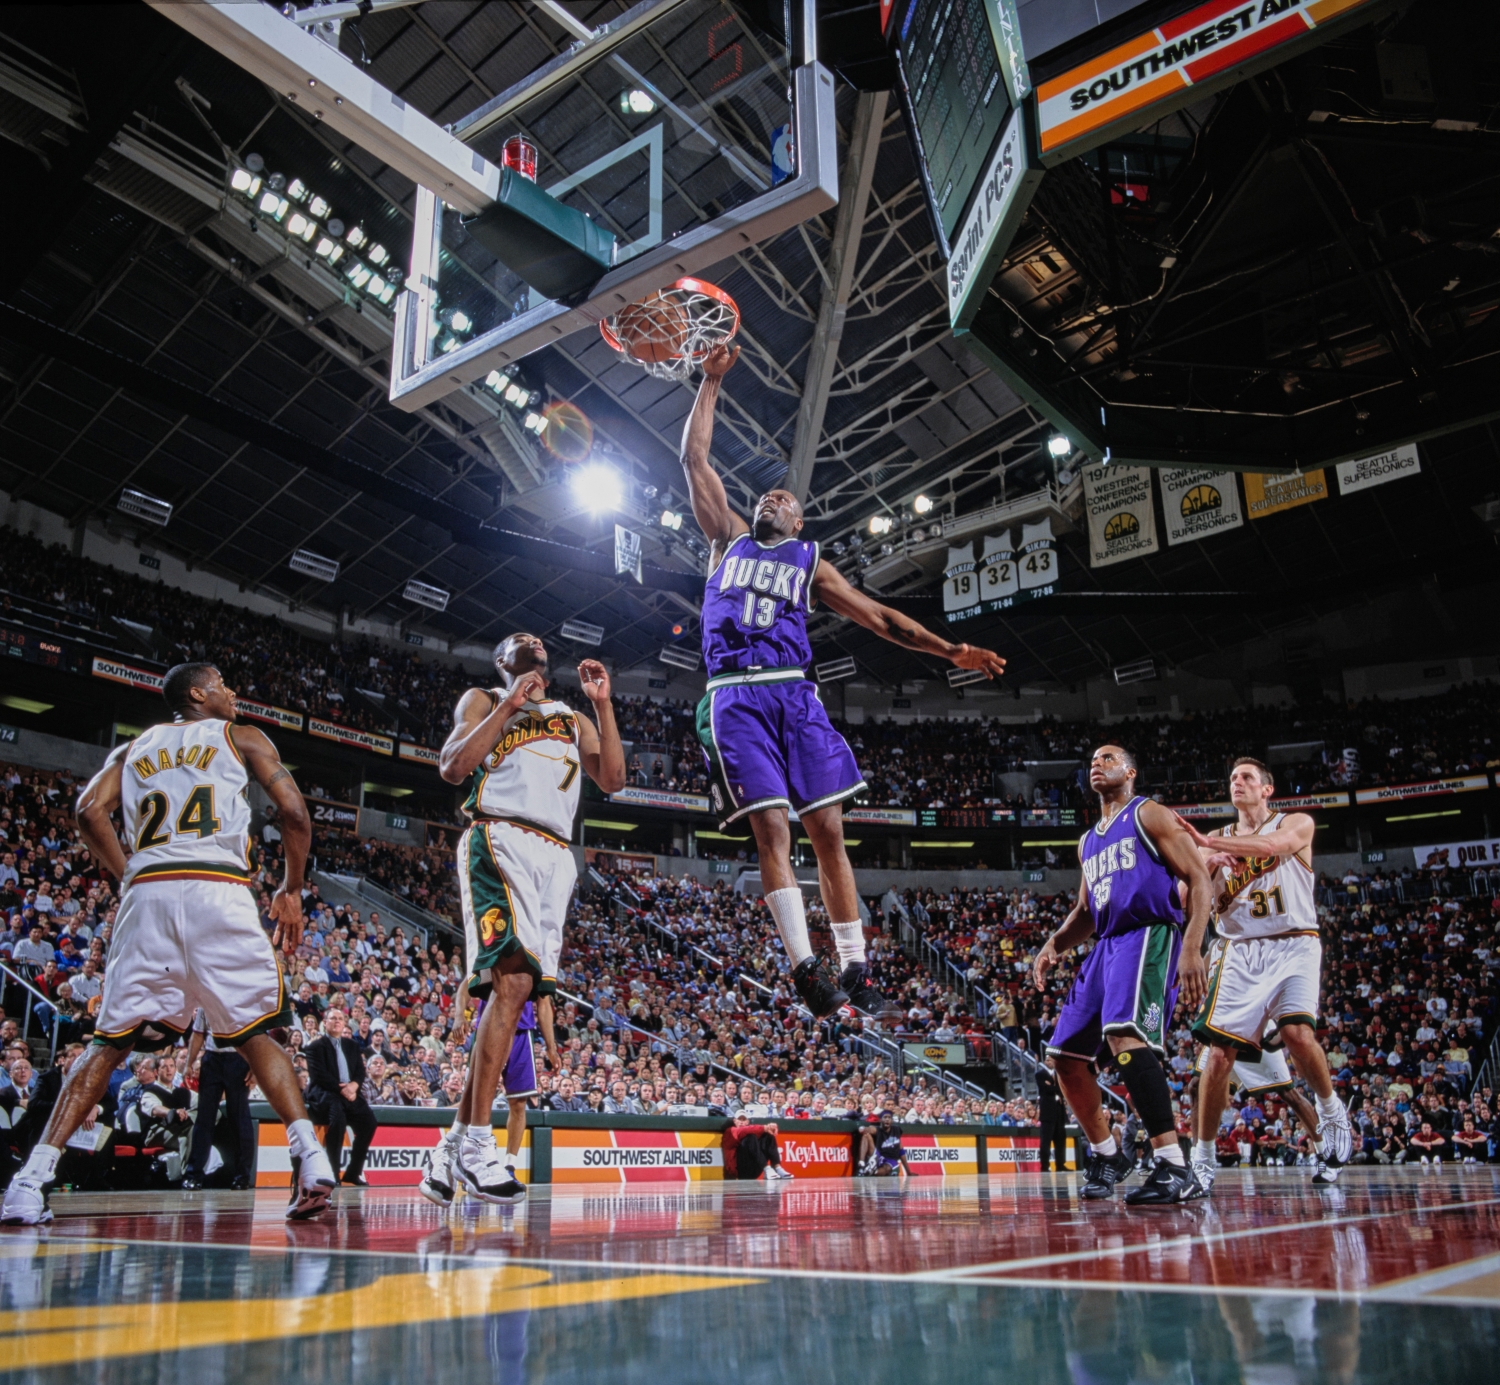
(183, 797)
(533, 774)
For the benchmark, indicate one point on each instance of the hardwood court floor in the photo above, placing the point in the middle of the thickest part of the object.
(1390, 1276)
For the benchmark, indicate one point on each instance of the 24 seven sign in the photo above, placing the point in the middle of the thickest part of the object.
(1172, 63)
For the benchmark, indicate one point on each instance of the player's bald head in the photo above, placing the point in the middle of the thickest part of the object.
(777, 515)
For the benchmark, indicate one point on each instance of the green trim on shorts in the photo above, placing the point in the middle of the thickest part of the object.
(1205, 1033)
(726, 807)
(494, 918)
(132, 1039)
(1311, 1021)
(1151, 1019)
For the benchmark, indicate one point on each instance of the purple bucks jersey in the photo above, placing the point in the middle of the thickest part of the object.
(756, 604)
(1129, 885)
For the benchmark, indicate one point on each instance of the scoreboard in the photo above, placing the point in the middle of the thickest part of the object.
(955, 98)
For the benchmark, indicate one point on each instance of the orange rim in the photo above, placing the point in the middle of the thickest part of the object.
(699, 286)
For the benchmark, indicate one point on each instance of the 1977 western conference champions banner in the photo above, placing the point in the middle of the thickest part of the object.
(1122, 519)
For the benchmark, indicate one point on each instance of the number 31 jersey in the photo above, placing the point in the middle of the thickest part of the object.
(533, 774)
(1265, 896)
(183, 796)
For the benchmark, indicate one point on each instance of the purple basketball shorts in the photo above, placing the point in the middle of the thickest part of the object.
(1127, 985)
(519, 1077)
(769, 744)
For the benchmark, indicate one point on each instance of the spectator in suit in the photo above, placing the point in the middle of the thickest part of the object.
(223, 1074)
(1054, 1117)
(335, 1074)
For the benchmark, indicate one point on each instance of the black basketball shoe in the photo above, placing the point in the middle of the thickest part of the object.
(1166, 1185)
(1102, 1172)
(817, 992)
(864, 998)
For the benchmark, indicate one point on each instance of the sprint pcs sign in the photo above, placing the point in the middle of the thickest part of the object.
(400, 1155)
(940, 1156)
(636, 1156)
(1179, 61)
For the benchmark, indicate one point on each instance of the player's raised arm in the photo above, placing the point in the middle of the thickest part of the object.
(478, 721)
(101, 797)
(265, 766)
(601, 752)
(1294, 835)
(720, 525)
(1180, 852)
(833, 590)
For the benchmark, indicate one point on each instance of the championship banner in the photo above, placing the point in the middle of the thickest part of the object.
(1182, 59)
(1199, 503)
(894, 817)
(816, 1156)
(347, 735)
(636, 1156)
(960, 585)
(1267, 494)
(661, 798)
(128, 674)
(1377, 470)
(409, 750)
(940, 1156)
(1399, 793)
(326, 814)
(1458, 855)
(400, 1155)
(286, 719)
(1122, 519)
(1008, 1155)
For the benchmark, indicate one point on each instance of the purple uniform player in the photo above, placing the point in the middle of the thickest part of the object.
(518, 1081)
(1122, 1000)
(769, 744)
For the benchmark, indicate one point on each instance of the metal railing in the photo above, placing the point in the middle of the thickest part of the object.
(411, 916)
(46, 1000)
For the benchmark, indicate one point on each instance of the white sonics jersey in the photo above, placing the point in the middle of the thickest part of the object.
(533, 775)
(183, 797)
(1265, 896)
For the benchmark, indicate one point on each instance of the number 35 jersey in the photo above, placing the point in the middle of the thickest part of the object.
(183, 796)
(533, 774)
(1265, 896)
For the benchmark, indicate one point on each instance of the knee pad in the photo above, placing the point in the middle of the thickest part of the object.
(1146, 1081)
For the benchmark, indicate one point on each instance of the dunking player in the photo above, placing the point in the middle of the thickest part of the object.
(769, 744)
(1269, 970)
(521, 754)
(1132, 859)
(188, 934)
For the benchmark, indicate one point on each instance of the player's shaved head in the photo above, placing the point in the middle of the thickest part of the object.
(777, 516)
(177, 687)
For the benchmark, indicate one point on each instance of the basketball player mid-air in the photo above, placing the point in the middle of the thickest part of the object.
(1128, 898)
(1269, 971)
(769, 744)
(521, 753)
(188, 933)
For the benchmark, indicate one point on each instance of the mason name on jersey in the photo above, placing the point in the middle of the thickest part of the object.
(1101, 868)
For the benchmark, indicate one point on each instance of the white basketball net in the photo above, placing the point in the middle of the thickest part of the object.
(709, 322)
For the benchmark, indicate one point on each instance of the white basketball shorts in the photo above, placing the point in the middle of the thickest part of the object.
(179, 944)
(1259, 981)
(1269, 1074)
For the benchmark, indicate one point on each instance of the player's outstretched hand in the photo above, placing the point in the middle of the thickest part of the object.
(1046, 959)
(595, 679)
(1198, 838)
(1192, 981)
(967, 656)
(526, 687)
(286, 912)
(716, 364)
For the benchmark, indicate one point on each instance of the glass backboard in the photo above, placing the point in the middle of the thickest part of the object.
(681, 128)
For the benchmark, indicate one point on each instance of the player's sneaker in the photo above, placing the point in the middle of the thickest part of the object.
(1204, 1173)
(26, 1202)
(314, 1186)
(1336, 1147)
(1167, 1185)
(437, 1186)
(772, 1173)
(1103, 1171)
(864, 998)
(817, 992)
(478, 1168)
(1326, 1175)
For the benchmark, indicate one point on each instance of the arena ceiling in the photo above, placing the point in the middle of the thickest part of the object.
(151, 338)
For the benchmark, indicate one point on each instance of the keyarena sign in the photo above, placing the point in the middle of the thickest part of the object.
(1179, 61)
(816, 1156)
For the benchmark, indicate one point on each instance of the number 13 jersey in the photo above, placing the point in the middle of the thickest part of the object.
(1265, 896)
(533, 774)
(183, 797)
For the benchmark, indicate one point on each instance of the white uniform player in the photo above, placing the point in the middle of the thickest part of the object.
(188, 933)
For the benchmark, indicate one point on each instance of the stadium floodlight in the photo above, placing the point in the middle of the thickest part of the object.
(242, 180)
(670, 519)
(636, 102)
(144, 506)
(357, 274)
(356, 236)
(581, 632)
(835, 669)
(318, 207)
(1059, 446)
(297, 190)
(961, 677)
(535, 423)
(424, 595)
(598, 487)
(923, 504)
(1140, 671)
(881, 524)
(377, 254)
(311, 564)
(387, 293)
(679, 658)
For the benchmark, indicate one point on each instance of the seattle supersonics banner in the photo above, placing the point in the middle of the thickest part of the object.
(1005, 574)
(1122, 519)
(1199, 503)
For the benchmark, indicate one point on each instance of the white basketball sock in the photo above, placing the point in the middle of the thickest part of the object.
(849, 938)
(1330, 1106)
(791, 922)
(455, 1132)
(1204, 1152)
(1171, 1153)
(477, 1136)
(43, 1163)
(1107, 1149)
(301, 1138)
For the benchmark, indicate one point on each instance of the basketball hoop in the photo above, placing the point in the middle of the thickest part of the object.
(669, 332)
